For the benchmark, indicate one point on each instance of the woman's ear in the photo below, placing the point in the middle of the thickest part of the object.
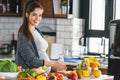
(26, 15)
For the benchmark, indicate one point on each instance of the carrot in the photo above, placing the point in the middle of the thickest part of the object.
(19, 68)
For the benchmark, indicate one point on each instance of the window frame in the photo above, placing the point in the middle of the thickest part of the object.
(96, 33)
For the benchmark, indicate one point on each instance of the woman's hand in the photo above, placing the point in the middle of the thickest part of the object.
(56, 65)
(59, 65)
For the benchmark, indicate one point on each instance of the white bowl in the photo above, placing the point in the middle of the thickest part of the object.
(9, 74)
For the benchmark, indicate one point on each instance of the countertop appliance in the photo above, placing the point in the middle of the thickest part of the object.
(5, 49)
(114, 50)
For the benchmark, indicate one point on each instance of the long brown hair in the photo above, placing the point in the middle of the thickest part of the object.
(29, 7)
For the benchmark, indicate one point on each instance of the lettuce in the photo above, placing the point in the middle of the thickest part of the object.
(8, 66)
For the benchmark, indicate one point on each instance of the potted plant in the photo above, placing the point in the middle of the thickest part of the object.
(64, 4)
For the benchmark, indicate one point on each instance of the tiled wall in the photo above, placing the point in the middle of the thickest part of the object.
(68, 30)
(8, 25)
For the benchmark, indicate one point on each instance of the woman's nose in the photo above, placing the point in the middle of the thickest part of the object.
(37, 18)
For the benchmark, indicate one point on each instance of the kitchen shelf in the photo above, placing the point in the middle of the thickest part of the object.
(60, 15)
(10, 14)
(48, 12)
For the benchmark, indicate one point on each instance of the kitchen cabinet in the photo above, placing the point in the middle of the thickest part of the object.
(10, 8)
(103, 70)
(114, 67)
(48, 5)
(48, 9)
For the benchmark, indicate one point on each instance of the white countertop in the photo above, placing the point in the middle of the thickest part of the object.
(103, 77)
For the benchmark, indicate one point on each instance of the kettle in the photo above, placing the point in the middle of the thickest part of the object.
(6, 48)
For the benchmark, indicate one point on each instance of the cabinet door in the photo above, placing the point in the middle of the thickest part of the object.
(8, 8)
(22, 5)
(48, 9)
(47, 5)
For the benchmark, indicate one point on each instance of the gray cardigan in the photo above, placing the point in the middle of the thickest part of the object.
(27, 55)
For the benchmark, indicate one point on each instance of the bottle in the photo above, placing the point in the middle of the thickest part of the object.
(13, 50)
(61, 58)
(8, 6)
(1, 6)
(4, 8)
(66, 53)
(17, 6)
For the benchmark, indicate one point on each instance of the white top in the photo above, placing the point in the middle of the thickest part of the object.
(42, 46)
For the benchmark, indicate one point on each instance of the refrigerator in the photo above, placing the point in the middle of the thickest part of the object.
(114, 49)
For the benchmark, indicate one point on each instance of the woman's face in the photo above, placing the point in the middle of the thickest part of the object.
(35, 17)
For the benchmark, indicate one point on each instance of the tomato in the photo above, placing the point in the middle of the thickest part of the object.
(61, 72)
(59, 76)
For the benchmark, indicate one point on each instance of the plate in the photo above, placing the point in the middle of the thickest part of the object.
(9, 74)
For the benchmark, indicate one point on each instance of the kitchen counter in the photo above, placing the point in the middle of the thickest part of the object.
(70, 61)
(72, 64)
(103, 77)
(7, 57)
(75, 62)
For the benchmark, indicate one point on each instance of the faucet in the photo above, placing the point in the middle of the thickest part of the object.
(82, 45)
(81, 41)
(103, 44)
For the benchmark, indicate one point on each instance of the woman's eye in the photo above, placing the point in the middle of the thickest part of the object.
(40, 15)
(34, 14)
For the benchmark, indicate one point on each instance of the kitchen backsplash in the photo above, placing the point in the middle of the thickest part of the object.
(8, 25)
(68, 31)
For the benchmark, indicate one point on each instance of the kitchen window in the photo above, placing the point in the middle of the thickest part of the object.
(97, 30)
(97, 15)
(117, 9)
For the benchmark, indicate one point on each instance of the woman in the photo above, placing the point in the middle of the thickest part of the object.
(31, 46)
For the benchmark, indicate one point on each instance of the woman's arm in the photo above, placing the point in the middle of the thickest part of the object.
(56, 65)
